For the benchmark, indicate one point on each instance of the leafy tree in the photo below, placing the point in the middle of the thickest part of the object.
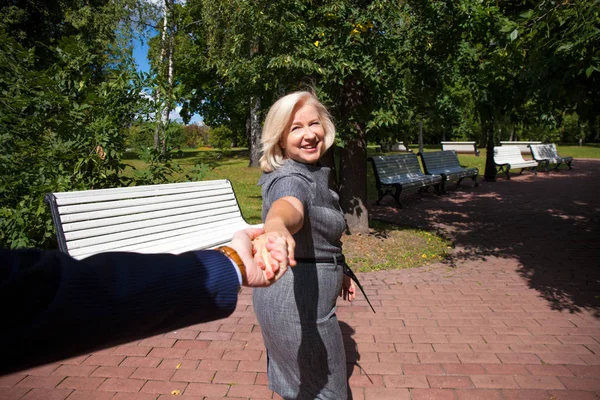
(66, 93)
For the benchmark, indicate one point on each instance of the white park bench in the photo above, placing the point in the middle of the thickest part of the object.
(523, 145)
(507, 157)
(547, 154)
(461, 147)
(168, 218)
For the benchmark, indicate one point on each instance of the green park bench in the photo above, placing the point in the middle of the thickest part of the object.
(446, 164)
(399, 172)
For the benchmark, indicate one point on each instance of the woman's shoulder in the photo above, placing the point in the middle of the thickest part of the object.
(290, 169)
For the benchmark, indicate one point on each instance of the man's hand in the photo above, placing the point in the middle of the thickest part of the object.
(265, 256)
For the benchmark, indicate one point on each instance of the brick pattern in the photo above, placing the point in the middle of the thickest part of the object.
(504, 318)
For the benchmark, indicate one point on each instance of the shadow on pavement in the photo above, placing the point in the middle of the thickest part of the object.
(549, 223)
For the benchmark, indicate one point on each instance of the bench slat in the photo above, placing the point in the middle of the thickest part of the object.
(196, 218)
(160, 243)
(89, 211)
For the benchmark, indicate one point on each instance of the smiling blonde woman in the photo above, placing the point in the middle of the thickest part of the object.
(306, 357)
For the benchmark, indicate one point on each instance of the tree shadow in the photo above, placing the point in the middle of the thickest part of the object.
(550, 223)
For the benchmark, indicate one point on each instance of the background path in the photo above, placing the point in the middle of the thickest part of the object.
(513, 314)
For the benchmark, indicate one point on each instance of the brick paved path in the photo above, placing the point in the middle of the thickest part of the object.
(512, 315)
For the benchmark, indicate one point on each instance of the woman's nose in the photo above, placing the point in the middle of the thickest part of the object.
(308, 132)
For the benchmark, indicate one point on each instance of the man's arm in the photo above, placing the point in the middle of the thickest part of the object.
(55, 307)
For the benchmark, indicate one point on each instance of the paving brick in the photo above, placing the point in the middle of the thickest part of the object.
(526, 394)
(478, 394)
(153, 374)
(399, 358)
(381, 368)
(104, 359)
(81, 383)
(438, 358)
(494, 382)
(141, 362)
(75, 370)
(91, 395)
(234, 378)
(122, 385)
(449, 382)
(113, 372)
(562, 358)
(163, 387)
(549, 370)
(47, 394)
(505, 369)
(139, 351)
(519, 358)
(206, 390)
(191, 344)
(463, 369)
(580, 383)
(538, 382)
(405, 381)
(174, 363)
(252, 391)
(386, 394)
(572, 394)
(14, 393)
(42, 382)
(432, 394)
(422, 369)
(186, 375)
(478, 358)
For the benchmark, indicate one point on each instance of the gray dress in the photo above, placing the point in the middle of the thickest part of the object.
(306, 357)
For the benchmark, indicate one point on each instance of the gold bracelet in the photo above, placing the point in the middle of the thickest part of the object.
(232, 254)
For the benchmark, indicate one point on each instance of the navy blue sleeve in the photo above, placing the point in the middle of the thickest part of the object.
(54, 307)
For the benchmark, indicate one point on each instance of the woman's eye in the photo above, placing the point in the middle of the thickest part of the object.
(316, 123)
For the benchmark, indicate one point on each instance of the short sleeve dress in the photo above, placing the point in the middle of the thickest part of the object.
(297, 315)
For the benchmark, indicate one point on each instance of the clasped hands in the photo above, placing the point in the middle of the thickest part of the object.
(266, 256)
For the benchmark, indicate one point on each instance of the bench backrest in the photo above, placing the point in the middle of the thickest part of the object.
(168, 218)
(439, 160)
(543, 151)
(523, 145)
(507, 154)
(461, 147)
(389, 167)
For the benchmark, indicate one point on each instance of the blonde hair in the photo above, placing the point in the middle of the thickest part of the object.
(279, 119)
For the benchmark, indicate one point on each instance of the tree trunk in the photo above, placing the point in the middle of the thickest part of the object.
(255, 132)
(490, 167)
(353, 182)
(420, 136)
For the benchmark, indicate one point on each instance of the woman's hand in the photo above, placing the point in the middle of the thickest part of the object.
(348, 291)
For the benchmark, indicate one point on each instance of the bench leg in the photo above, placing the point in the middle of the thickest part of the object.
(397, 195)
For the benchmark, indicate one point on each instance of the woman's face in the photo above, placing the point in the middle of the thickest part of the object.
(303, 141)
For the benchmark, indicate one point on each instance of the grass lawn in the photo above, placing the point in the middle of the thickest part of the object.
(375, 251)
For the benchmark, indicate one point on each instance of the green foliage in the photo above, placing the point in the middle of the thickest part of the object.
(60, 129)
(220, 137)
(160, 168)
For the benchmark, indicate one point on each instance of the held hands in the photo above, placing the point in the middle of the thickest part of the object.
(265, 256)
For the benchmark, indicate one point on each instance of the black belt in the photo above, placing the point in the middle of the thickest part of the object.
(340, 259)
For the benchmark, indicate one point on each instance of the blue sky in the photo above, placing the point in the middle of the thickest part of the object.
(140, 55)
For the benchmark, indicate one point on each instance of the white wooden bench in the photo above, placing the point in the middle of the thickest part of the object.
(461, 147)
(547, 154)
(168, 218)
(399, 146)
(507, 157)
(523, 145)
